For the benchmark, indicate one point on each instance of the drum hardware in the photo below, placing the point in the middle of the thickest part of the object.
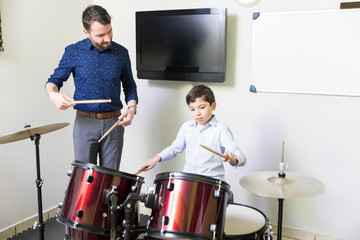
(282, 186)
(164, 223)
(90, 177)
(67, 233)
(79, 214)
(69, 172)
(35, 134)
(217, 192)
(170, 185)
(213, 230)
(111, 197)
(128, 205)
(135, 187)
(151, 200)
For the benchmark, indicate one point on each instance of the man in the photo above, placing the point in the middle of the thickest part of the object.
(100, 68)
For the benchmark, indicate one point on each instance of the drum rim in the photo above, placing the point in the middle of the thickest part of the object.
(260, 230)
(192, 177)
(175, 234)
(105, 170)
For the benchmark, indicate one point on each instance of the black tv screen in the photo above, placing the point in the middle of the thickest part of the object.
(183, 45)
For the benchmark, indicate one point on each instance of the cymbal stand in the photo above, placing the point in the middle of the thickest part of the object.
(283, 166)
(280, 214)
(39, 182)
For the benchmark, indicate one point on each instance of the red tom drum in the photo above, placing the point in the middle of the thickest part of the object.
(188, 206)
(84, 208)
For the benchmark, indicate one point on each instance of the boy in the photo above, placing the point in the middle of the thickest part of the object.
(204, 130)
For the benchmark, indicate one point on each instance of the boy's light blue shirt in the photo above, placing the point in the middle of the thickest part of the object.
(214, 135)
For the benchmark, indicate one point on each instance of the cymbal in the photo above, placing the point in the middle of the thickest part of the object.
(293, 185)
(27, 132)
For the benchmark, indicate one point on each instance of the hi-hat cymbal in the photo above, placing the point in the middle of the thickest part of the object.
(28, 132)
(293, 185)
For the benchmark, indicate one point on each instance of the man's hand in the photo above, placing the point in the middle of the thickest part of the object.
(61, 101)
(127, 117)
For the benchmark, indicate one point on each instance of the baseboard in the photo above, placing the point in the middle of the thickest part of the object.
(290, 233)
(26, 224)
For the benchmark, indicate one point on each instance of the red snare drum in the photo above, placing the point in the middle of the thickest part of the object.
(188, 206)
(246, 223)
(84, 208)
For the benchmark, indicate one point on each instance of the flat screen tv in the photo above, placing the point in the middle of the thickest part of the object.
(181, 45)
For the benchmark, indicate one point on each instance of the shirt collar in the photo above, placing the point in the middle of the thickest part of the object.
(212, 122)
(91, 46)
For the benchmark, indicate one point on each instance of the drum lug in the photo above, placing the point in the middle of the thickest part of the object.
(170, 185)
(217, 192)
(60, 205)
(90, 177)
(135, 187)
(69, 172)
(79, 214)
(269, 234)
(213, 230)
(164, 223)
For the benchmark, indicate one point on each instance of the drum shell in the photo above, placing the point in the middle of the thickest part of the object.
(89, 197)
(245, 223)
(191, 207)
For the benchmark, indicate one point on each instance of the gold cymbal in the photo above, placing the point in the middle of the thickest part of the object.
(27, 132)
(293, 185)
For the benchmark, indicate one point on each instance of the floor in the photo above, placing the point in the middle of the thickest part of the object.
(56, 231)
(53, 230)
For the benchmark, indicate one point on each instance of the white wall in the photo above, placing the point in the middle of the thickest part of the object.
(320, 133)
(34, 34)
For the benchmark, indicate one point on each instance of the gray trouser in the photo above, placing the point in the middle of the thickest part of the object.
(86, 134)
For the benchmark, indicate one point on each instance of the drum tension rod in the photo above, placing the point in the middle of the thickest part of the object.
(79, 214)
(164, 222)
(213, 227)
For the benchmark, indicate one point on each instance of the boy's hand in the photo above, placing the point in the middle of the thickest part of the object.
(230, 158)
(149, 164)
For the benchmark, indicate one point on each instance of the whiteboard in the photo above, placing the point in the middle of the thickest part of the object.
(314, 52)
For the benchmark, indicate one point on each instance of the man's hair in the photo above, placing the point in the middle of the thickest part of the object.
(95, 13)
(201, 91)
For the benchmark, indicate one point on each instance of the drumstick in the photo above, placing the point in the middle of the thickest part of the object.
(108, 131)
(209, 149)
(92, 101)
(139, 171)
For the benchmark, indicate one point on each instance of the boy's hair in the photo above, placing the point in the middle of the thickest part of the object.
(201, 91)
(95, 13)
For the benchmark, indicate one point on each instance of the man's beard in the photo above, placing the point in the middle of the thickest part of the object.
(102, 46)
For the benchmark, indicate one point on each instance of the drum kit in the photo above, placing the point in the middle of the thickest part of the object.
(104, 204)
